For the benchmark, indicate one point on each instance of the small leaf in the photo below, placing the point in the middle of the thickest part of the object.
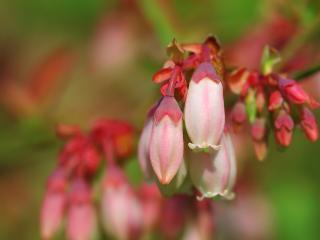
(270, 57)
(162, 75)
(175, 52)
(251, 106)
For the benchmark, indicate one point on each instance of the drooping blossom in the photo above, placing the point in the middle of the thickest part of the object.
(214, 174)
(53, 206)
(166, 144)
(204, 108)
(121, 210)
(81, 216)
(144, 145)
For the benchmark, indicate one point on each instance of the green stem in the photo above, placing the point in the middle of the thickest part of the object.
(306, 73)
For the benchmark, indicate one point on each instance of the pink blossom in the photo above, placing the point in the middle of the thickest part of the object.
(166, 144)
(214, 174)
(204, 108)
(81, 216)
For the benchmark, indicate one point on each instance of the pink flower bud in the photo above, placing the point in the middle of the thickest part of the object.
(204, 108)
(309, 124)
(275, 100)
(214, 174)
(238, 116)
(121, 211)
(81, 218)
(53, 206)
(144, 145)
(293, 91)
(284, 127)
(258, 133)
(166, 143)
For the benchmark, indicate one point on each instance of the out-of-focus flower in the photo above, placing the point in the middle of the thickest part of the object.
(53, 205)
(121, 210)
(79, 154)
(173, 216)
(309, 124)
(151, 201)
(284, 127)
(258, 133)
(81, 216)
(166, 144)
(204, 108)
(238, 116)
(117, 132)
(215, 174)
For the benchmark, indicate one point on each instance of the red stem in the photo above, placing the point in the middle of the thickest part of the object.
(172, 83)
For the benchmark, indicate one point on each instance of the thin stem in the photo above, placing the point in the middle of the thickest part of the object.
(172, 83)
(306, 73)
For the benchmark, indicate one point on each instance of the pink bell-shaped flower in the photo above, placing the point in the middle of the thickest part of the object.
(53, 205)
(214, 174)
(204, 108)
(81, 216)
(144, 145)
(166, 144)
(121, 210)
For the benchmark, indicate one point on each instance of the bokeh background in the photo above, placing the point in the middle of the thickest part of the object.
(73, 61)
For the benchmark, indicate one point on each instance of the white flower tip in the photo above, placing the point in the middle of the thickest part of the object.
(204, 147)
(228, 195)
(207, 195)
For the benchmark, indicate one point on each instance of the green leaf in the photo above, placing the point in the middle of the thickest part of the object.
(251, 106)
(270, 57)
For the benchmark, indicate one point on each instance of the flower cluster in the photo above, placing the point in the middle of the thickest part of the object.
(69, 191)
(191, 80)
(127, 212)
(271, 101)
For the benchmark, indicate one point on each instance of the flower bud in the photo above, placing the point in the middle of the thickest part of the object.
(81, 216)
(293, 91)
(214, 174)
(204, 108)
(258, 133)
(309, 124)
(275, 100)
(166, 143)
(121, 211)
(284, 127)
(238, 116)
(53, 205)
(144, 145)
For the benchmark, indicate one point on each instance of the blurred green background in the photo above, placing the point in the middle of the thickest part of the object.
(72, 61)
